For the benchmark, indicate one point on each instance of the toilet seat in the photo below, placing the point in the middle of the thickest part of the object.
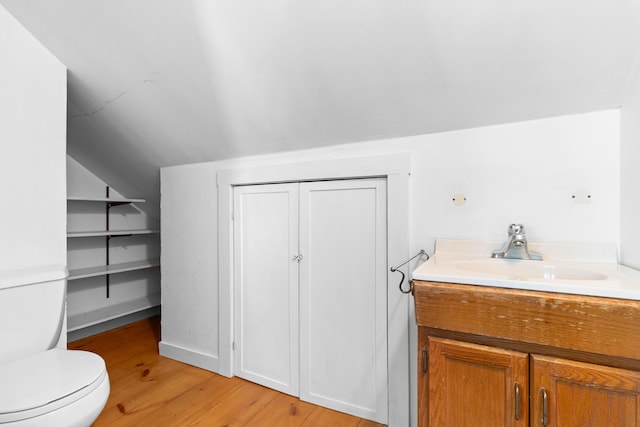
(47, 381)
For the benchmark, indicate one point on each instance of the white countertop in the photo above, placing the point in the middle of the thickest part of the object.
(581, 269)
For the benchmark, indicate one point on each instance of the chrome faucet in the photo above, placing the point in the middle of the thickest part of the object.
(516, 246)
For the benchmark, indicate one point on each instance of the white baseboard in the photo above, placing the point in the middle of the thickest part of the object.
(190, 357)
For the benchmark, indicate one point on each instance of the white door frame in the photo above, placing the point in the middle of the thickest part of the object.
(396, 169)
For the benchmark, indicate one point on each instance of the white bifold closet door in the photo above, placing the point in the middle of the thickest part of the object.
(265, 226)
(343, 296)
(310, 292)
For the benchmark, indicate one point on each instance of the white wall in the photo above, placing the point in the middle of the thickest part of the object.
(522, 172)
(189, 282)
(630, 177)
(32, 151)
(525, 172)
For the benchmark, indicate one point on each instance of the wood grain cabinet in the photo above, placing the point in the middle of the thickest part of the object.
(504, 357)
(573, 394)
(472, 385)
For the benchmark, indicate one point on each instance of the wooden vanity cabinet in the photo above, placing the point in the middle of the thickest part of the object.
(473, 385)
(582, 394)
(493, 357)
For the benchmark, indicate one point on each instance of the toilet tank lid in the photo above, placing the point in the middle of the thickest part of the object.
(32, 275)
(45, 377)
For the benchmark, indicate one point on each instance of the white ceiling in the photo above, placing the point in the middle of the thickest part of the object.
(157, 83)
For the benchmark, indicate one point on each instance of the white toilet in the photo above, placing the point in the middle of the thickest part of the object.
(42, 383)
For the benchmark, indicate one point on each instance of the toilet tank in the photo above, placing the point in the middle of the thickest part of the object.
(32, 308)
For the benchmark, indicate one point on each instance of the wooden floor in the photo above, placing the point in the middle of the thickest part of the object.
(150, 390)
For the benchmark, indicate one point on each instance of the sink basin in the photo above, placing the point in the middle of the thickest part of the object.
(527, 270)
(578, 269)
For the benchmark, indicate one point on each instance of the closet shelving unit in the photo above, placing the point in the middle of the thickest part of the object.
(107, 313)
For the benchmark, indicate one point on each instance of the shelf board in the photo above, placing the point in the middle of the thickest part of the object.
(73, 234)
(103, 270)
(90, 318)
(104, 199)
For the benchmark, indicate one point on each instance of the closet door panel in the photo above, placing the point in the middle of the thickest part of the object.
(343, 333)
(266, 285)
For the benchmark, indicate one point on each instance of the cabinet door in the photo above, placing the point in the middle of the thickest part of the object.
(475, 386)
(314, 324)
(423, 377)
(583, 395)
(343, 296)
(266, 285)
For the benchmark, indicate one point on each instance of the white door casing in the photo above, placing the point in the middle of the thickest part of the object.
(402, 394)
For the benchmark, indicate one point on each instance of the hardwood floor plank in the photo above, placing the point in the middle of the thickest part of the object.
(119, 344)
(283, 411)
(238, 408)
(137, 364)
(189, 406)
(323, 417)
(150, 390)
(144, 395)
(180, 407)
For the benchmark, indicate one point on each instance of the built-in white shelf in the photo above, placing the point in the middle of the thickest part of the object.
(89, 320)
(101, 315)
(104, 199)
(102, 270)
(107, 233)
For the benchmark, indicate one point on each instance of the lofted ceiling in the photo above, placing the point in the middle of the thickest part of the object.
(158, 83)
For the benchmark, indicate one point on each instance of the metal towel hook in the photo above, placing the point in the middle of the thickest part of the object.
(394, 269)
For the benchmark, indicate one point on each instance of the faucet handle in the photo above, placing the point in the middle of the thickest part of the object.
(515, 229)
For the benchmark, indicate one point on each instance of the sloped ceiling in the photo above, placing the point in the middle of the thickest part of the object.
(157, 83)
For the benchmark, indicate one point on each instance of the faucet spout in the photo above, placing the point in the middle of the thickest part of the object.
(516, 246)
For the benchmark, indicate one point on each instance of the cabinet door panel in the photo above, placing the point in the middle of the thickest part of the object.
(423, 377)
(343, 290)
(266, 285)
(584, 395)
(474, 385)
